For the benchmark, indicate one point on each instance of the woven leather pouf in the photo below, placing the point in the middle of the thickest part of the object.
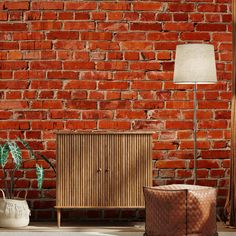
(179, 209)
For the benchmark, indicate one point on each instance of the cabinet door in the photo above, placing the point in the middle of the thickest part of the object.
(78, 181)
(128, 168)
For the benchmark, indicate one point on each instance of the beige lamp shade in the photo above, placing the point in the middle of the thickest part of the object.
(195, 63)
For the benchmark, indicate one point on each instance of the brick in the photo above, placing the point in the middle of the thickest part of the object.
(145, 66)
(176, 125)
(45, 84)
(45, 25)
(46, 104)
(9, 45)
(148, 104)
(76, 104)
(96, 75)
(98, 15)
(212, 8)
(147, 6)
(62, 35)
(163, 36)
(47, 5)
(13, 27)
(127, 114)
(167, 164)
(213, 105)
(32, 15)
(32, 115)
(69, 45)
(80, 6)
(79, 26)
(65, 16)
(195, 36)
(15, 55)
(110, 26)
(118, 65)
(180, 17)
(131, 56)
(96, 36)
(14, 84)
(121, 75)
(28, 36)
(47, 125)
(179, 105)
(46, 94)
(112, 85)
(222, 37)
(74, 65)
(225, 114)
(114, 16)
(35, 45)
(136, 46)
(112, 105)
(3, 16)
(78, 84)
(83, 125)
(129, 36)
(5, 115)
(164, 17)
(146, 26)
(12, 65)
(215, 124)
(114, 125)
(15, 16)
(104, 45)
(19, 5)
(115, 56)
(147, 125)
(143, 85)
(49, 16)
(180, 7)
(165, 45)
(205, 164)
(45, 65)
(210, 27)
(81, 16)
(117, 6)
(97, 115)
(178, 26)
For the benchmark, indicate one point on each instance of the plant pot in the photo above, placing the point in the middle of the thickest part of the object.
(14, 213)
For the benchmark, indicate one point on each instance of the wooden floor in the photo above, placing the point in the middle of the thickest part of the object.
(132, 228)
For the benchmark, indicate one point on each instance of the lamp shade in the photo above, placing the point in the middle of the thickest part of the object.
(195, 63)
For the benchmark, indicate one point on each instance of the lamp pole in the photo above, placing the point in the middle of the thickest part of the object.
(195, 133)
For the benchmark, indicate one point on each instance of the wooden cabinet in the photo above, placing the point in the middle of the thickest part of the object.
(102, 170)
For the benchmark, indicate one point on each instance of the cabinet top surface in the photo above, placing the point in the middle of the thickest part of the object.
(102, 132)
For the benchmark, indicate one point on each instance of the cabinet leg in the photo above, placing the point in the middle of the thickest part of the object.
(58, 217)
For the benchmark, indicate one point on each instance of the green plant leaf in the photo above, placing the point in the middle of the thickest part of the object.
(27, 146)
(45, 159)
(40, 176)
(16, 153)
(4, 152)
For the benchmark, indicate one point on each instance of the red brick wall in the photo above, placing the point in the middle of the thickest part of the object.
(108, 65)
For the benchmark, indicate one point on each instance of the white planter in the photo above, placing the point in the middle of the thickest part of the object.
(13, 212)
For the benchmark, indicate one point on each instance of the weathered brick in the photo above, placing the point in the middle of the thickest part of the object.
(16, 5)
(47, 5)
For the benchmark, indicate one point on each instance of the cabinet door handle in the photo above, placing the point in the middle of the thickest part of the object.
(99, 170)
(107, 170)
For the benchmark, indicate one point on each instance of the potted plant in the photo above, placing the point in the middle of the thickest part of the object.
(14, 211)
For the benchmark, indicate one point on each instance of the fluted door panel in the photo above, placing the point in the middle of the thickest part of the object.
(103, 169)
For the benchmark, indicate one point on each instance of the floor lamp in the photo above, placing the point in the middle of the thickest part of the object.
(195, 64)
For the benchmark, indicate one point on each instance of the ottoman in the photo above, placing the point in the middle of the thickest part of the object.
(180, 209)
